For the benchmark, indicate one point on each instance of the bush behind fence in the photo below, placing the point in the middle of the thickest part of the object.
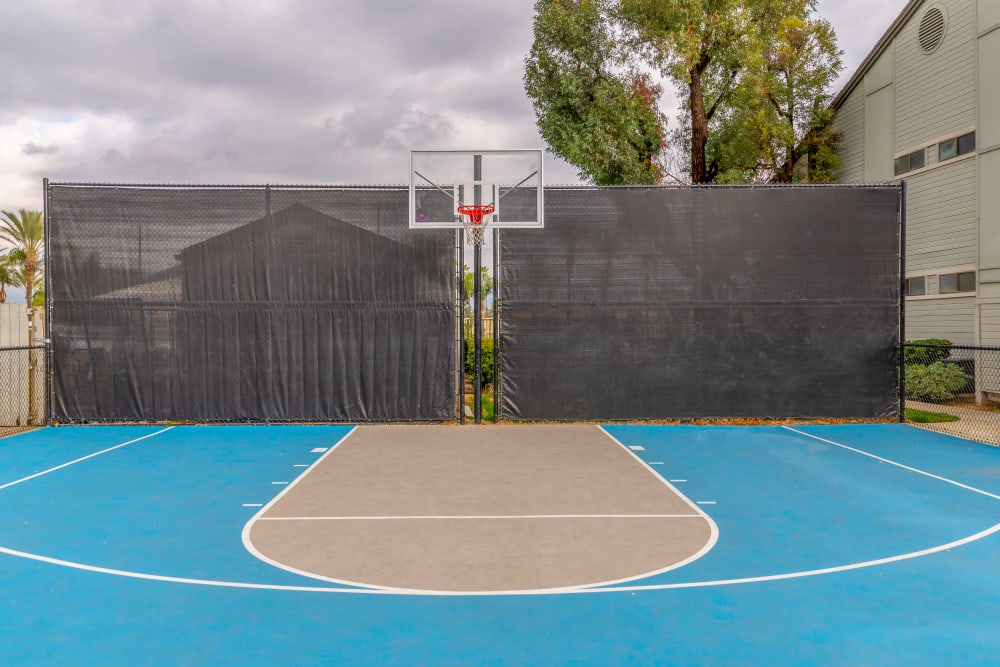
(953, 389)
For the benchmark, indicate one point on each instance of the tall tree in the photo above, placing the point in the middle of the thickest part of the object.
(7, 276)
(752, 75)
(593, 107)
(785, 112)
(25, 232)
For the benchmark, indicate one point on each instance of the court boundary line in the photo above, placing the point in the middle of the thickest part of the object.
(81, 459)
(896, 463)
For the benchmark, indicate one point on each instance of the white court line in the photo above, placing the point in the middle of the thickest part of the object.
(320, 450)
(895, 463)
(480, 517)
(677, 481)
(82, 458)
(656, 463)
(300, 465)
(253, 504)
(637, 448)
(713, 528)
(248, 544)
(578, 591)
(706, 502)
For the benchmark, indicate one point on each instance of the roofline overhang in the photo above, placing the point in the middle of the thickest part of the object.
(875, 53)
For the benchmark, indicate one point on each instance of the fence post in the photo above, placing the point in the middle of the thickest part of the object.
(902, 301)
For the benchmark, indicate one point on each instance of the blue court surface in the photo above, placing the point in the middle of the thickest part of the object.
(837, 545)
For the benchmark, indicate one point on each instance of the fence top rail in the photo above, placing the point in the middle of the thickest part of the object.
(224, 186)
(396, 186)
(972, 348)
(22, 347)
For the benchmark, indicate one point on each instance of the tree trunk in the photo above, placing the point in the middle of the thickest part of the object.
(699, 127)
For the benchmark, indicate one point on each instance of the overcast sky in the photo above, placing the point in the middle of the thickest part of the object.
(278, 91)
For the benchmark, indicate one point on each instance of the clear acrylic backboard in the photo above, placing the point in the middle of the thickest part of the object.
(509, 180)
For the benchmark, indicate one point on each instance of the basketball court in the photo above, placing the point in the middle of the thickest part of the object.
(534, 544)
(336, 512)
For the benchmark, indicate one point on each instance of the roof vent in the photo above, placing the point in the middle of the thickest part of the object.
(931, 30)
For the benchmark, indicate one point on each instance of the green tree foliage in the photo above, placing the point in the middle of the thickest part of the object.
(25, 232)
(593, 108)
(705, 47)
(753, 77)
(782, 130)
(8, 276)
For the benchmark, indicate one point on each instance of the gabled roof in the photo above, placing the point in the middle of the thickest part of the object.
(876, 52)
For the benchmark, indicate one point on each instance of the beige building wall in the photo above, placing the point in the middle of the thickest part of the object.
(988, 163)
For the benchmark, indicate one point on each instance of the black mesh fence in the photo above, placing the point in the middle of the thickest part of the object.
(680, 303)
(259, 304)
(22, 389)
(954, 389)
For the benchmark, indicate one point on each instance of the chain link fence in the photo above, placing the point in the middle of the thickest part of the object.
(953, 389)
(22, 389)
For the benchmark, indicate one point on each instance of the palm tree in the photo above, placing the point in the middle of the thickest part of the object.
(7, 275)
(25, 231)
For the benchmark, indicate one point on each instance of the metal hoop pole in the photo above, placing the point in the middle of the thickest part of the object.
(477, 168)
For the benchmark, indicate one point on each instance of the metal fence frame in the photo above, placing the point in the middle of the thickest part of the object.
(24, 388)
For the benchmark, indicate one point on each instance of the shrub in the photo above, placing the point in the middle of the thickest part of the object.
(934, 382)
(486, 360)
(926, 355)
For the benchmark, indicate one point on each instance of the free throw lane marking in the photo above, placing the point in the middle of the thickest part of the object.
(319, 450)
(637, 448)
(253, 504)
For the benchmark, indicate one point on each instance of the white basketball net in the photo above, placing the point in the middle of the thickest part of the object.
(475, 232)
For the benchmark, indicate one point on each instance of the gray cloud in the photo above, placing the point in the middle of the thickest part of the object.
(31, 148)
(251, 91)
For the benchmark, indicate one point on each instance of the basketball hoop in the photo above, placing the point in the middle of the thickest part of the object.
(476, 218)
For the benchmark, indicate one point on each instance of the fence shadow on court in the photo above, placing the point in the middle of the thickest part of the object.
(954, 389)
(22, 389)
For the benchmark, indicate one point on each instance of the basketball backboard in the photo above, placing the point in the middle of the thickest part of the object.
(442, 180)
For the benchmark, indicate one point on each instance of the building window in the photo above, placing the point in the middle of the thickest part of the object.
(956, 146)
(915, 286)
(947, 150)
(967, 143)
(952, 283)
(910, 162)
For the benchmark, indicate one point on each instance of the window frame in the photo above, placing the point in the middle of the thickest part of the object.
(923, 286)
